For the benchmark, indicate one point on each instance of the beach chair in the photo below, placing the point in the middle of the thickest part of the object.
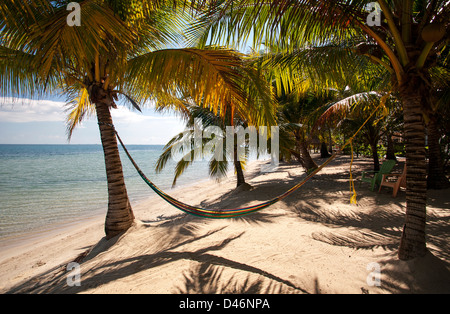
(394, 181)
(375, 178)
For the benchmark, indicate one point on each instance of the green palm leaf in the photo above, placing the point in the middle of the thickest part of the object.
(216, 78)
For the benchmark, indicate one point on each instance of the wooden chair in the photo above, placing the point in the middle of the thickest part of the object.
(385, 168)
(396, 183)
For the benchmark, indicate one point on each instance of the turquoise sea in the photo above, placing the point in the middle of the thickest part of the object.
(42, 186)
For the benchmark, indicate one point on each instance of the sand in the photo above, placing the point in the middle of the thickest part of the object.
(314, 241)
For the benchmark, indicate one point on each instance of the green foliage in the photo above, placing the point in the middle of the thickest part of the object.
(192, 147)
(118, 48)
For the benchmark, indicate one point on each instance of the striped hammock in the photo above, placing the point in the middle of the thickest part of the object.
(237, 212)
(222, 213)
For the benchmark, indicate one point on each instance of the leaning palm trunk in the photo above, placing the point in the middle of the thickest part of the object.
(119, 216)
(238, 168)
(308, 162)
(413, 243)
(239, 173)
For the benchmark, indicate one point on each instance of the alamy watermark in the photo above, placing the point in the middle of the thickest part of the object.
(73, 277)
(374, 277)
(199, 142)
(74, 17)
(374, 17)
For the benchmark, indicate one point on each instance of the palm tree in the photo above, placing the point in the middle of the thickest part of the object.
(407, 44)
(193, 147)
(295, 113)
(117, 51)
(350, 109)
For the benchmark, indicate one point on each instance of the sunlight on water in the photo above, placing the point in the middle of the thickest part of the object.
(44, 185)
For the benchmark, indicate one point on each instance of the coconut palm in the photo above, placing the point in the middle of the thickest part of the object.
(295, 113)
(407, 43)
(119, 50)
(192, 146)
(351, 109)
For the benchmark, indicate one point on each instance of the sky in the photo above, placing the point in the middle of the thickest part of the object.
(26, 121)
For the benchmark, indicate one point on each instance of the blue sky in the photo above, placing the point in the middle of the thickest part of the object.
(25, 121)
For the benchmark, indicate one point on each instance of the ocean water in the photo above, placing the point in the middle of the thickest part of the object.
(43, 186)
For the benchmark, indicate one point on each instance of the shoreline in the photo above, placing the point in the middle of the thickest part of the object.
(89, 230)
(28, 238)
(315, 241)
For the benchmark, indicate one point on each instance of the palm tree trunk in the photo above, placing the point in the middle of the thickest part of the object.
(413, 241)
(239, 172)
(119, 216)
(324, 151)
(436, 174)
(308, 162)
(390, 149)
(376, 160)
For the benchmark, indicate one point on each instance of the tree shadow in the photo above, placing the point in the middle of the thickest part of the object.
(427, 274)
(207, 278)
(173, 250)
(163, 218)
(358, 230)
(54, 281)
(373, 228)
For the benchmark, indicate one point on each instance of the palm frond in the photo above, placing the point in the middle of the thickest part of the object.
(166, 155)
(284, 21)
(217, 79)
(318, 69)
(338, 110)
(19, 14)
(132, 102)
(218, 168)
(20, 77)
(79, 108)
(56, 44)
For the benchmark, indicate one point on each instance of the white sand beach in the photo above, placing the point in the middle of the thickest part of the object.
(313, 241)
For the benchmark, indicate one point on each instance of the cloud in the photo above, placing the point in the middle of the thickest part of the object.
(37, 117)
(28, 110)
(145, 128)
(125, 115)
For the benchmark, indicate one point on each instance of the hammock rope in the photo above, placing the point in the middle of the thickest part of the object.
(236, 212)
(212, 213)
(203, 212)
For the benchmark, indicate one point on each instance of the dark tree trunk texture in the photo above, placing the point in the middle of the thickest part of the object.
(376, 160)
(239, 173)
(324, 151)
(120, 215)
(413, 240)
(308, 162)
(390, 150)
(238, 168)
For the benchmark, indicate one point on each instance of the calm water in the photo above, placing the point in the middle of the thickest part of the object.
(45, 185)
